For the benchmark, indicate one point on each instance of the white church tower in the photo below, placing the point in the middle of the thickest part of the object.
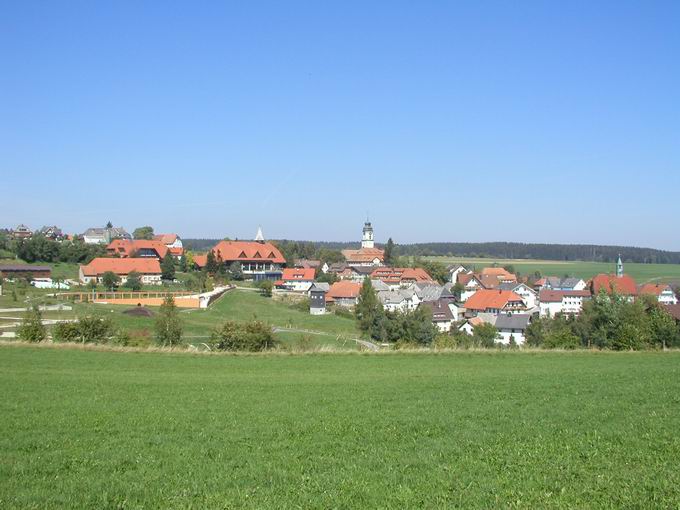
(259, 237)
(367, 239)
(619, 268)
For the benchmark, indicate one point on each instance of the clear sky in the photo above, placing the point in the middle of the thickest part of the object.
(445, 121)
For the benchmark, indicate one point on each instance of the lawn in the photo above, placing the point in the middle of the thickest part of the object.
(641, 272)
(149, 430)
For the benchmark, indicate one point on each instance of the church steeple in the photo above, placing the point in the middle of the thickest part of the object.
(367, 238)
(619, 267)
(259, 237)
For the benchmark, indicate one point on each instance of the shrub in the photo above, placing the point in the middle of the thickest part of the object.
(84, 330)
(249, 336)
(32, 328)
(168, 324)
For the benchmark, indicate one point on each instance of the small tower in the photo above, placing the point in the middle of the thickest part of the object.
(367, 239)
(259, 237)
(619, 268)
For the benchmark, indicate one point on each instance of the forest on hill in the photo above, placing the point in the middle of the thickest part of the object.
(504, 250)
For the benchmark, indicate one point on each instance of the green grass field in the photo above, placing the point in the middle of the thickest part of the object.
(524, 430)
(641, 272)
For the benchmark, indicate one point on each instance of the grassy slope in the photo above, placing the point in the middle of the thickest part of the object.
(98, 429)
(641, 272)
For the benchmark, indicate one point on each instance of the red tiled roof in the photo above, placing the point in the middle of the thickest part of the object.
(248, 251)
(177, 252)
(400, 274)
(128, 247)
(555, 296)
(364, 255)
(101, 265)
(344, 289)
(624, 285)
(491, 299)
(674, 310)
(200, 260)
(654, 289)
(298, 274)
(165, 238)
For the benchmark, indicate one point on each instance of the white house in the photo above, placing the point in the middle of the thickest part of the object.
(566, 302)
(442, 317)
(297, 279)
(455, 270)
(104, 235)
(662, 291)
(149, 269)
(528, 295)
(512, 327)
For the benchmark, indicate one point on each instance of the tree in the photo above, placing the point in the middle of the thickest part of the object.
(485, 334)
(389, 252)
(134, 281)
(143, 233)
(168, 267)
(183, 264)
(168, 324)
(211, 263)
(235, 271)
(84, 330)
(32, 328)
(368, 310)
(665, 332)
(110, 280)
(266, 287)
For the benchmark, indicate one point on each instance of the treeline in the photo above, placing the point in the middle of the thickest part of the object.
(501, 250)
(41, 249)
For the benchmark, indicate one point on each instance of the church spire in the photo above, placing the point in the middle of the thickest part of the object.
(367, 240)
(259, 237)
(619, 267)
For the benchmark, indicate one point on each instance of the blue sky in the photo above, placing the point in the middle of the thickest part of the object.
(445, 121)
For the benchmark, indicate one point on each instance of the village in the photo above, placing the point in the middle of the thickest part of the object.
(467, 299)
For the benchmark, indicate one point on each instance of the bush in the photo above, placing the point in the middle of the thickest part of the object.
(266, 287)
(32, 328)
(249, 336)
(168, 324)
(301, 305)
(84, 330)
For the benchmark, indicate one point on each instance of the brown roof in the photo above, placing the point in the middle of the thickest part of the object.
(128, 247)
(440, 310)
(165, 238)
(100, 266)
(655, 289)
(674, 310)
(400, 274)
(555, 296)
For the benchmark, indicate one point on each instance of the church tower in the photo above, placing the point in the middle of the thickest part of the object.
(259, 237)
(619, 268)
(367, 239)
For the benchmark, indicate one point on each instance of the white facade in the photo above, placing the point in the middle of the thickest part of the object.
(298, 285)
(48, 283)
(367, 240)
(505, 334)
(668, 297)
(527, 294)
(569, 305)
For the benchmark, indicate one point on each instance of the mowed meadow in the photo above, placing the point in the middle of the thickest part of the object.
(103, 429)
(643, 273)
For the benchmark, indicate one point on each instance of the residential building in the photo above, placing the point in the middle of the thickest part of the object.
(674, 311)
(307, 263)
(503, 275)
(528, 295)
(297, 279)
(565, 302)
(662, 291)
(51, 232)
(137, 248)
(368, 254)
(455, 270)
(512, 327)
(442, 317)
(470, 283)
(22, 232)
(494, 301)
(397, 277)
(343, 293)
(317, 300)
(149, 269)
(556, 283)
(398, 300)
(104, 235)
(173, 243)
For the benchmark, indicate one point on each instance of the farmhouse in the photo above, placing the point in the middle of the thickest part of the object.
(398, 300)
(296, 279)
(22, 232)
(662, 291)
(368, 254)
(24, 271)
(149, 269)
(566, 302)
(139, 248)
(104, 235)
(494, 301)
(344, 293)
